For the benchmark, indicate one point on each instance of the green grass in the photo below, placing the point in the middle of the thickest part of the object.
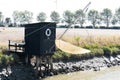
(60, 55)
(110, 51)
(99, 46)
(77, 39)
(96, 51)
(7, 59)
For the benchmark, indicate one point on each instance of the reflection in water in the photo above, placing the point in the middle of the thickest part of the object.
(112, 73)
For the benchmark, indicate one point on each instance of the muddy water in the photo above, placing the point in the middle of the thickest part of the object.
(112, 73)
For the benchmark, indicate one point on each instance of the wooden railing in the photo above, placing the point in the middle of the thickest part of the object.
(16, 47)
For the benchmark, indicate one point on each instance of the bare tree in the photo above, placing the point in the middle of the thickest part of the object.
(106, 16)
(93, 17)
(117, 15)
(79, 17)
(55, 17)
(8, 21)
(1, 18)
(26, 16)
(16, 17)
(41, 17)
(22, 17)
(68, 17)
(114, 20)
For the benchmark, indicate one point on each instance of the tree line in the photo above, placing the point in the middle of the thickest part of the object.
(77, 17)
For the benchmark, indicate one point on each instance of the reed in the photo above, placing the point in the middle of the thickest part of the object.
(99, 46)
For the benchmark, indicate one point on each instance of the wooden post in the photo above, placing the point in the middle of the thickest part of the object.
(27, 59)
(47, 65)
(15, 47)
(37, 66)
(9, 45)
(46, 62)
(51, 63)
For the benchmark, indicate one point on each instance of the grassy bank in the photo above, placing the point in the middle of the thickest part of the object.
(95, 52)
(99, 46)
(6, 59)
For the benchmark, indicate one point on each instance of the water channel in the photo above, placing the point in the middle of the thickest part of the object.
(112, 73)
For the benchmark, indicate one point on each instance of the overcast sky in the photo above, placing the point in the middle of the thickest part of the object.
(36, 6)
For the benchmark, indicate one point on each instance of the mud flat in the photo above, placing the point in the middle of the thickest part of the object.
(89, 69)
(112, 73)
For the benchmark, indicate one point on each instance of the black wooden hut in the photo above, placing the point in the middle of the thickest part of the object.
(40, 38)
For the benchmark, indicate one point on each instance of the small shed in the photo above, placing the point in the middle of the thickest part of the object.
(40, 38)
